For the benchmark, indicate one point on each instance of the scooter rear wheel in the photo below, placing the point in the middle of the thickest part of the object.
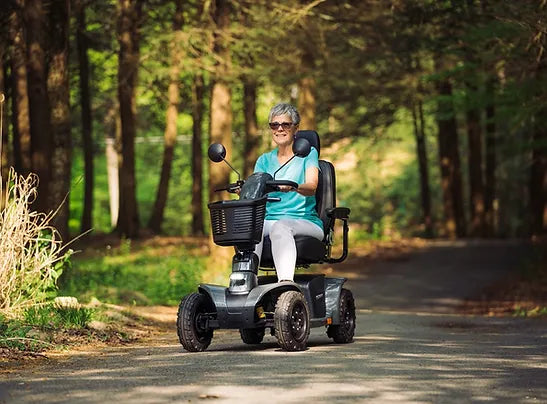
(252, 335)
(191, 330)
(343, 333)
(292, 321)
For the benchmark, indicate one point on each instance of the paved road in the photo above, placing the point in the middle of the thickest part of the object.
(409, 347)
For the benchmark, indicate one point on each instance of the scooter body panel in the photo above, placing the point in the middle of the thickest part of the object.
(238, 310)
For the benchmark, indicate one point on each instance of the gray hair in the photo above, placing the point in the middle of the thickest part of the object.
(282, 109)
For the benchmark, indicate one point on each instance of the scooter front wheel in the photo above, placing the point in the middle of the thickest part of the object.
(191, 323)
(292, 321)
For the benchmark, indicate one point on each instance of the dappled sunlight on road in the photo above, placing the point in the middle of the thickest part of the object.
(464, 359)
(410, 346)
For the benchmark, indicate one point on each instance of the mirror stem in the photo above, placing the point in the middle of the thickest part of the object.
(237, 172)
(288, 161)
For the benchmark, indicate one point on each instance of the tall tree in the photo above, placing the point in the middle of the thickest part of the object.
(40, 124)
(221, 113)
(307, 104)
(4, 164)
(198, 92)
(20, 96)
(86, 115)
(449, 159)
(490, 161)
(252, 136)
(476, 183)
(421, 152)
(170, 133)
(59, 96)
(221, 97)
(538, 170)
(129, 19)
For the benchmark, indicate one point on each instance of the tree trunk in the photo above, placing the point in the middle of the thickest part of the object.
(170, 134)
(538, 170)
(476, 183)
(221, 118)
(40, 124)
(221, 99)
(59, 95)
(4, 162)
(307, 103)
(128, 33)
(85, 105)
(490, 169)
(20, 97)
(451, 181)
(198, 92)
(421, 152)
(252, 137)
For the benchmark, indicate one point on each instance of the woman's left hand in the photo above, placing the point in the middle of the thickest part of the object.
(285, 188)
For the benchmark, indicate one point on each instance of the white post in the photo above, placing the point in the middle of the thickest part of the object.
(113, 179)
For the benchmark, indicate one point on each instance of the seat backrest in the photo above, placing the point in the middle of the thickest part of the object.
(325, 195)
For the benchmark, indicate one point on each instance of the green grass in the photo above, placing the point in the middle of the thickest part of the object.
(35, 330)
(150, 275)
(58, 317)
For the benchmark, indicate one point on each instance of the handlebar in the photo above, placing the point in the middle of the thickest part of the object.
(232, 188)
(271, 185)
(275, 184)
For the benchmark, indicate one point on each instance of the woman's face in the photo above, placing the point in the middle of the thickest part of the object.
(283, 129)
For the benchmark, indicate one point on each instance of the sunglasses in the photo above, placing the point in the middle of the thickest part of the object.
(284, 125)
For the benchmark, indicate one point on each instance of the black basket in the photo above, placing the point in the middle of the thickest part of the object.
(237, 222)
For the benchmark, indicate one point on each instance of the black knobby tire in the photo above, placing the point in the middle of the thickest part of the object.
(252, 335)
(292, 321)
(343, 333)
(192, 335)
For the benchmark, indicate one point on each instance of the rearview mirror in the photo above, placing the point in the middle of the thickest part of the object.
(301, 147)
(216, 152)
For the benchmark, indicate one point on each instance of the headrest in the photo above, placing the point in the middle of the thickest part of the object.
(311, 136)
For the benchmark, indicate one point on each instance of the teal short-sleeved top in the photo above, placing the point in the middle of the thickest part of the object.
(292, 204)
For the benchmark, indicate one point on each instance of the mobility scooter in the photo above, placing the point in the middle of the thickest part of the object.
(253, 303)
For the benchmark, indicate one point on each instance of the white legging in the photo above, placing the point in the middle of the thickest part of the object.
(282, 234)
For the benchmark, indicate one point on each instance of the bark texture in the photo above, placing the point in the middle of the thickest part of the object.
(86, 115)
(20, 98)
(40, 125)
(449, 159)
(128, 36)
(170, 134)
(59, 95)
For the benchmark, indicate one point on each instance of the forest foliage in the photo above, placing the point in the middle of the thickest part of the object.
(433, 112)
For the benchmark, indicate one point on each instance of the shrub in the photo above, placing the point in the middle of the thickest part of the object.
(31, 252)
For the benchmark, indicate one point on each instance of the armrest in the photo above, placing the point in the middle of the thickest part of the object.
(338, 213)
(343, 215)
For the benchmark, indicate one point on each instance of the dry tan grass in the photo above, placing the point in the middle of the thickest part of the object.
(29, 247)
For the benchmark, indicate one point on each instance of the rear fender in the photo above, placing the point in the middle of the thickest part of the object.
(333, 289)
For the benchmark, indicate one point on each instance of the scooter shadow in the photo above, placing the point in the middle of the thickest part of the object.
(266, 346)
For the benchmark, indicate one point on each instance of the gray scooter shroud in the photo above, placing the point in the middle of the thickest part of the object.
(238, 310)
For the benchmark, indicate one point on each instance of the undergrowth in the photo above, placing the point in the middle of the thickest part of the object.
(32, 255)
(35, 330)
(127, 275)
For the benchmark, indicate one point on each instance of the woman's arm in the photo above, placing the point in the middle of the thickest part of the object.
(309, 186)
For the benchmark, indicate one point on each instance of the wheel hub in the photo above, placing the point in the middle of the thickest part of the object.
(298, 321)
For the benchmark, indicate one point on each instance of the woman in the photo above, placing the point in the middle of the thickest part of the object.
(295, 214)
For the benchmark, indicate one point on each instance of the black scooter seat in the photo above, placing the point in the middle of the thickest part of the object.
(309, 251)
